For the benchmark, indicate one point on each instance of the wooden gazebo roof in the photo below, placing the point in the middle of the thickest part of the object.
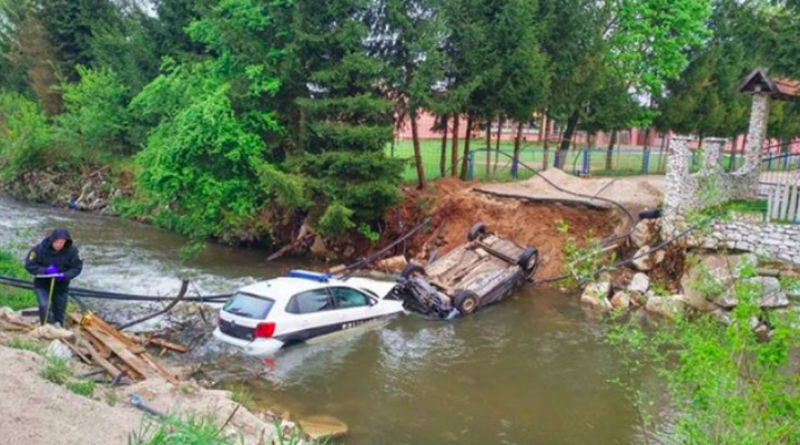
(758, 82)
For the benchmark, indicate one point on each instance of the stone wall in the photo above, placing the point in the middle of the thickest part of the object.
(775, 241)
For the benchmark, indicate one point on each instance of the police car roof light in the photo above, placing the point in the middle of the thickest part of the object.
(307, 275)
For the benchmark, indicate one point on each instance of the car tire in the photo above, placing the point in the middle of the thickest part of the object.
(465, 301)
(527, 261)
(476, 231)
(411, 269)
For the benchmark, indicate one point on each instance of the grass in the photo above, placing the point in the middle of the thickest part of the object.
(241, 396)
(82, 387)
(26, 345)
(16, 299)
(56, 370)
(193, 430)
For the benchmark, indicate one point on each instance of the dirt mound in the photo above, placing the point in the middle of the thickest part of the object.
(33, 411)
(533, 224)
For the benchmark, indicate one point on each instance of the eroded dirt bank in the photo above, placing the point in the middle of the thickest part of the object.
(455, 206)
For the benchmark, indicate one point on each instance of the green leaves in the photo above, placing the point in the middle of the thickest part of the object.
(25, 136)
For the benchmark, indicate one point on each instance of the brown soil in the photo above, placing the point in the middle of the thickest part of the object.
(457, 207)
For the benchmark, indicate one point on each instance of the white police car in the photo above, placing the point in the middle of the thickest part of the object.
(264, 317)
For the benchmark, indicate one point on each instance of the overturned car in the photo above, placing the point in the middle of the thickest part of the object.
(484, 270)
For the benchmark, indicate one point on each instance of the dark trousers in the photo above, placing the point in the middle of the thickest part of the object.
(58, 307)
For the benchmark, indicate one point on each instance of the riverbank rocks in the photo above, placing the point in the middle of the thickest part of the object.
(707, 273)
(394, 264)
(596, 294)
(640, 283)
(648, 262)
(772, 295)
(669, 307)
(621, 301)
(645, 233)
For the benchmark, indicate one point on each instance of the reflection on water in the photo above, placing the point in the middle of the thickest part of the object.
(533, 370)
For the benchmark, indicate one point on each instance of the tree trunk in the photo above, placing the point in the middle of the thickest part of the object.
(542, 124)
(517, 148)
(566, 142)
(488, 148)
(546, 150)
(610, 154)
(454, 151)
(417, 151)
(465, 157)
(443, 159)
(500, 123)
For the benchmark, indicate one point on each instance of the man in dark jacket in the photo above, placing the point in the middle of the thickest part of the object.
(57, 258)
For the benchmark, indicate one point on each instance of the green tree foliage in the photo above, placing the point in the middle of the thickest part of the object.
(204, 165)
(728, 382)
(95, 121)
(347, 119)
(24, 136)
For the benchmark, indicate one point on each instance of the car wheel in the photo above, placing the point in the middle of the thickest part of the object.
(476, 231)
(527, 261)
(465, 301)
(412, 269)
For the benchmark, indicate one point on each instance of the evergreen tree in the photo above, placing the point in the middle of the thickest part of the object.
(347, 119)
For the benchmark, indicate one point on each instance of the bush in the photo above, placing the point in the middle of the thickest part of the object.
(728, 383)
(335, 220)
(14, 298)
(24, 136)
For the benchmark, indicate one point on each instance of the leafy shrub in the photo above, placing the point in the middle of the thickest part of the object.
(24, 136)
(16, 299)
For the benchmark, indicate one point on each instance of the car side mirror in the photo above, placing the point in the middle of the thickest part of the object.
(372, 301)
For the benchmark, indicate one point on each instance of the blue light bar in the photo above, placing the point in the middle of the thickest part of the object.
(308, 275)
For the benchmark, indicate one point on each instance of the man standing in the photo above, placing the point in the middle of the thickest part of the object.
(53, 263)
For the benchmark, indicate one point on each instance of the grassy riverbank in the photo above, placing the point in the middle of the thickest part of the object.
(11, 266)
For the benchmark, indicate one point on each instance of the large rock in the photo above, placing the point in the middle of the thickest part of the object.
(772, 296)
(645, 233)
(621, 301)
(596, 294)
(621, 278)
(648, 262)
(394, 264)
(640, 283)
(319, 248)
(670, 307)
(696, 279)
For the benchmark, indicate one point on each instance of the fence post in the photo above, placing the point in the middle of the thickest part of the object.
(515, 165)
(585, 166)
(471, 166)
(646, 160)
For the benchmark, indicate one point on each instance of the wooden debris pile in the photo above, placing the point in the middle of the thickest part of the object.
(98, 343)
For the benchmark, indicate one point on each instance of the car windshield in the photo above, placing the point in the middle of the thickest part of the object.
(249, 306)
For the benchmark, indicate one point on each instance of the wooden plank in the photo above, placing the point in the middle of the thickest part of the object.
(170, 376)
(112, 370)
(770, 203)
(121, 350)
(168, 345)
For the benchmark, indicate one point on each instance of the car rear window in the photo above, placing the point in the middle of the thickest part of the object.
(249, 306)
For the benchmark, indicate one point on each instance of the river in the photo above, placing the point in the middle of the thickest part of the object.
(532, 370)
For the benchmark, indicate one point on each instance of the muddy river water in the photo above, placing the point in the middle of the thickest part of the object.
(533, 370)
